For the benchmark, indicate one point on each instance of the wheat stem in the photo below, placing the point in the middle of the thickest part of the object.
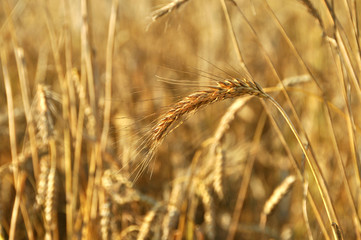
(315, 171)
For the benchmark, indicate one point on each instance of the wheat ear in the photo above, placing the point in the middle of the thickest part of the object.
(227, 89)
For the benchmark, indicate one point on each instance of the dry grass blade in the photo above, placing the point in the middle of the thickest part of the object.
(276, 197)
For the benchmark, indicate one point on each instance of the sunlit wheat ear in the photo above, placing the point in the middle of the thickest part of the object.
(227, 89)
(276, 197)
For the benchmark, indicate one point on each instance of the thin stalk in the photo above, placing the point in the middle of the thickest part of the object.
(107, 97)
(78, 141)
(65, 115)
(10, 105)
(72, 121)
(86, 56)
(335, 147)
(298, 170)
(233, 35)
(293, 111)
(246, 177)
(20, 61)
(16, 206)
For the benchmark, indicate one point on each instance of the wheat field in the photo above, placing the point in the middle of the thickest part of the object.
(180, 119)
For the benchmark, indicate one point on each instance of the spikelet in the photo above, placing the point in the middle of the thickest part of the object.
(49, 203)
(44, 120)
(218, 171)
(43, 181)
(173, 5)
(276, 197)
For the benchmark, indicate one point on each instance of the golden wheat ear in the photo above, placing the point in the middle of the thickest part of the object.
(226, 89)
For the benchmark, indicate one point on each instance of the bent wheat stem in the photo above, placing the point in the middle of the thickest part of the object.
(315, 172)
